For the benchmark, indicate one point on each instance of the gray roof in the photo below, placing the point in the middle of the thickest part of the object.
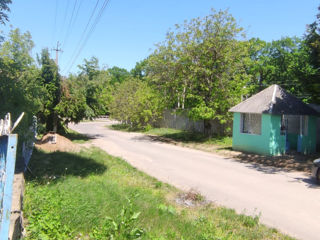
(274, 100)
(315, 107)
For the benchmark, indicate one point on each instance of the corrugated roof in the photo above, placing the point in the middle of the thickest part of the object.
(274, 100)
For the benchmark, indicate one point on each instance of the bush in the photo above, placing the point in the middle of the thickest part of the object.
(136, 104)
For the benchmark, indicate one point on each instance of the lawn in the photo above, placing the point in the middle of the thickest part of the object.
(92, 195)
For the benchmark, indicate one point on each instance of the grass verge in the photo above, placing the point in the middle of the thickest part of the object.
(92, 195)
(223, 146)
(180, 136)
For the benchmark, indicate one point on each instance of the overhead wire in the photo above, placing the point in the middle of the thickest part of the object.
(84, 31)
(65, 17)
(91, 30)
(71, 22)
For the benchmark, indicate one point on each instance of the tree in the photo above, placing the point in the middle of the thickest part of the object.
(140, 70)
(3, 9)
(137, 104)
(118, 75)
(202, 66)
(51, 81)
(97, 85)
(20, 90)
(283, 62)
(73, 106)
(90, 68)
(18, 49)
(312, 39)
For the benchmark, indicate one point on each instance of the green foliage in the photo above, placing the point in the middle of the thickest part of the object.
(3, 9)
(201, 66)
(44, 223)
(73, 106)
(90, 68)
(312, 40)
(51, 81)
(118, 75)
(140, 69)
(164, 209)
(136, 104)
(20, 89)
(124, 226)
(283, 62)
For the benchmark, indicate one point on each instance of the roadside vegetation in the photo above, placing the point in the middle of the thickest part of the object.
(203, 67)
(222, 145)
(179, 136)
(92, 195)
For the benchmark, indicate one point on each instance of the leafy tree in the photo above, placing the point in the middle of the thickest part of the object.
(202, 66)
(18, 49)
(50, 79)
(90, 68)
(283, 62)
(312, 39)
(73, 106)
(140, 69)
(97, 85)
(137, 104)
(20, 90)
(118, 75)
(3, 9)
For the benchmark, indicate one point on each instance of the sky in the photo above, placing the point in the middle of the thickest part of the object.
(128, 30)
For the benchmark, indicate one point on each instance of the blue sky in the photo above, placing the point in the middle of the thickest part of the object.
(128, 29)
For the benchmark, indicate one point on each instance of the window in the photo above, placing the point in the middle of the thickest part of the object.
(296, 124)
(251, 123)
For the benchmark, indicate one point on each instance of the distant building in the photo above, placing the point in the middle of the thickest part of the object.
(273, 122)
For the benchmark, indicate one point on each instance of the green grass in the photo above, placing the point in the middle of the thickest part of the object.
(180, 136)
(70, 196)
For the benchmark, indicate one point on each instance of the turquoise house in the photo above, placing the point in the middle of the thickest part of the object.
(273, 122)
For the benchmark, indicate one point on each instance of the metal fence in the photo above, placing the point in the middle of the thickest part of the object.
(181, 121)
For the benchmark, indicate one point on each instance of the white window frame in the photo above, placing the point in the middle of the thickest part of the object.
(249, 115)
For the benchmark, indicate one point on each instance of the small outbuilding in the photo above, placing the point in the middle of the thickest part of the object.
(272, 122)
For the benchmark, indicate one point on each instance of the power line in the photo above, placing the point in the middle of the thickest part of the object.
(70, 23)
(92, 28)
(90, 31)
(65, 17)
(84, 32)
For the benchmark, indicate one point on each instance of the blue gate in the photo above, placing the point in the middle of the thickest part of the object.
(8, 147)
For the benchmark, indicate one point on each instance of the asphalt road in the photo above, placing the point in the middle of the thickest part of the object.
(288, 201)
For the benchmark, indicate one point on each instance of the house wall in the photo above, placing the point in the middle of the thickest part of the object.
(270, 142)
(318, 134)
(309, 141)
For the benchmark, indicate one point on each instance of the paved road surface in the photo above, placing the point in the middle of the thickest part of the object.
(287, 201)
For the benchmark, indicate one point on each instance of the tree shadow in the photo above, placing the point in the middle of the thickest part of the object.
(272, 164)
(125, 128)
(74, 136)
(44, 166)
(187, 137)
(309, 182)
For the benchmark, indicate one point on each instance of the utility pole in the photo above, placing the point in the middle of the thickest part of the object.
(57, 49)
(55, 115)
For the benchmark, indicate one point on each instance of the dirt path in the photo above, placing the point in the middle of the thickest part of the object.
(286, 200)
